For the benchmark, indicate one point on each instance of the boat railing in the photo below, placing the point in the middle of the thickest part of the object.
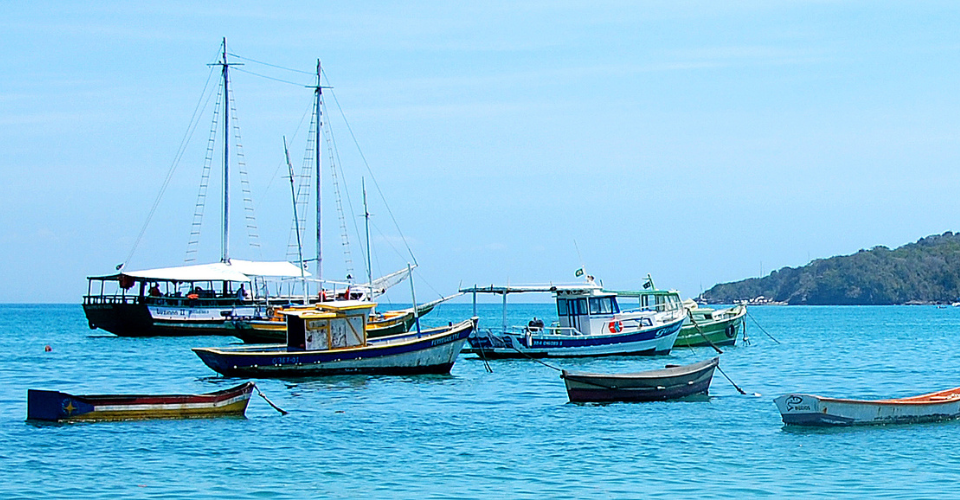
(174, 301)
(110, 299)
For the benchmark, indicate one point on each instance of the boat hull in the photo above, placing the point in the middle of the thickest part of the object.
(656, 385)
(432, 351)
(811, 410)
(56, 406)
(651, 341)
(141, 320)
(720, 332)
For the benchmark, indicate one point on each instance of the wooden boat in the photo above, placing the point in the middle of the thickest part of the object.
(810, 410)
(62, 407)
(672, 382)
(334, 342)
(590, 323)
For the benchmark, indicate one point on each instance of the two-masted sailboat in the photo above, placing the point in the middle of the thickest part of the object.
(232, 297)
(203, 299)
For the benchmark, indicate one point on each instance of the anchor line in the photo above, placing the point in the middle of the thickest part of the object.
(700, 331)
(275, 407)
(761, 328)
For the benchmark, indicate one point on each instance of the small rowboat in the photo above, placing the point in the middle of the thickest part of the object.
(806, 409)
(673, 382)
(61, 407)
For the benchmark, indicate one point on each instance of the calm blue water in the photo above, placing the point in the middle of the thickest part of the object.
(473, 434)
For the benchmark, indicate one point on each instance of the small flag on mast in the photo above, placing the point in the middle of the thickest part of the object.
(579, 272)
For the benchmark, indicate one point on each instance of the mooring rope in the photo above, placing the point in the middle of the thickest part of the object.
(275, 407)
(760, 327)
(700, 331)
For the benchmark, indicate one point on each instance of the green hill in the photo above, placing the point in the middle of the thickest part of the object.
(927, 271)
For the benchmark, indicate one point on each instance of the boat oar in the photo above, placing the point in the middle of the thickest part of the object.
(275, 407)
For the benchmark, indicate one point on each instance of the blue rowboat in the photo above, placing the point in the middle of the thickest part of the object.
(62, 407)
(672, 382)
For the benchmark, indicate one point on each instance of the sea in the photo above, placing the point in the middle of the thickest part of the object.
(475, 434)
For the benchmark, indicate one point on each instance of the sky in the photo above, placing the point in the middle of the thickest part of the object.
(502, 142)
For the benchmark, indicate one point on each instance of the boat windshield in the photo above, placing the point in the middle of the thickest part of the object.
(603, 305)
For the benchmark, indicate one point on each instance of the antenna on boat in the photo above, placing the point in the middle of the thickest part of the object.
(296, 220)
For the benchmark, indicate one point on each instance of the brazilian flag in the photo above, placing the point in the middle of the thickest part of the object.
(579, 272)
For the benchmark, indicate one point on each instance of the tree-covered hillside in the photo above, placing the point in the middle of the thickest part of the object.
(922, 272)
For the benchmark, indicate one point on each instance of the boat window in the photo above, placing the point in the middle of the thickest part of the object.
(616, 306)
(562, 307)
(594, 306)
(606, 305)
(582, 306)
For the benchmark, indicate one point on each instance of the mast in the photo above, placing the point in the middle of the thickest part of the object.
(318, 111)
(366, 217)
(296, 220)
(225, 224)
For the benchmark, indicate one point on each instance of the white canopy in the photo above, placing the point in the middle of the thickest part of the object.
(235, 270)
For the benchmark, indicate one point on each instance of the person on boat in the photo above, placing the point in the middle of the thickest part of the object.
(242, 293)
(154, 290)
(535, 325)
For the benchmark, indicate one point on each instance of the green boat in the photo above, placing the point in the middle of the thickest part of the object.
(704, 326)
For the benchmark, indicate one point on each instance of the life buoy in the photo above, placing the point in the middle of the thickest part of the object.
(615, 327)
(731, 331)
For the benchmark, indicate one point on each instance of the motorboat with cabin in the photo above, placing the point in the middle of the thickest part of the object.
(332, 340)
(589, 322)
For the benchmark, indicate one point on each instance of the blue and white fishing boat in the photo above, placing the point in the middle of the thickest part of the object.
(590, 323)
(332, 340)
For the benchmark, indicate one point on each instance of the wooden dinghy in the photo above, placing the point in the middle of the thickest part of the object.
(673, 382)
(806, 409)
(62, 407)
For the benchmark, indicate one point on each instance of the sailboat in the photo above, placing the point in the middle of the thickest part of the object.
(203, 299)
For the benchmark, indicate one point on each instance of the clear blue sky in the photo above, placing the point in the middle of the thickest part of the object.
(697, 141)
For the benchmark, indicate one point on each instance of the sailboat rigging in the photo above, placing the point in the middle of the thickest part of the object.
(199, 299)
